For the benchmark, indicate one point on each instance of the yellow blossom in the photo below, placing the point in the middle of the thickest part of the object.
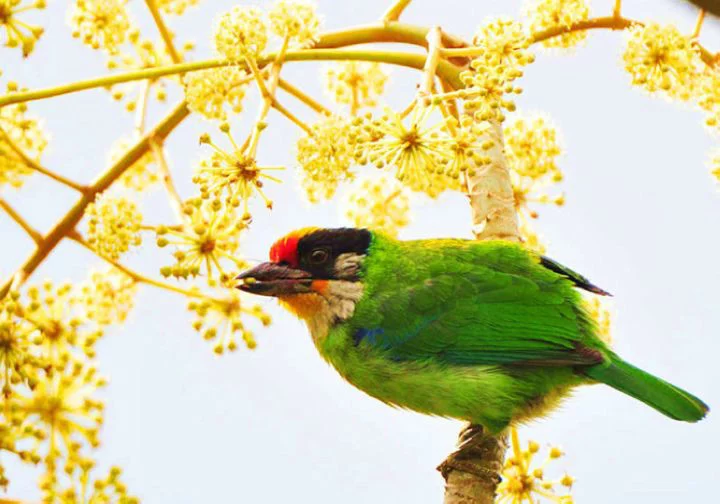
(522, 481)
(82, 485)
(141, 174)
(599, 310)
(20, 358)
(22, 142)
(207, 240)
(19, 33)
(355, 83)
(532, 147)
(58, 323)
(107, 296)
(241, 33)
(419, 152)
(708, 92)
(714, 164)
(176, 7)
(63, 408)
(528, 191)
(469, 142)
(378, 202)
(101, 24)
(296, 20)
(531, 240)
(661, 59)
(233, 173)
(219, 320)
(210, 92)
(505, 42)
(113, 226)
(545, 14)
(325, 156)
(489, 86)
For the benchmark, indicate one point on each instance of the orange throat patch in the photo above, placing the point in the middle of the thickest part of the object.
(303, 306)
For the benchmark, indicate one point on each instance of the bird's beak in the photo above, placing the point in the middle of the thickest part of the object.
(272, 279)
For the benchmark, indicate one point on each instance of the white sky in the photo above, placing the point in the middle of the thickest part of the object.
(277, 424)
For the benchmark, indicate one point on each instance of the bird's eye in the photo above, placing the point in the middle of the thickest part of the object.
(319, 256)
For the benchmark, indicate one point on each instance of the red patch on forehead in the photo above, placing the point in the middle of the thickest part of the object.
(286, 248)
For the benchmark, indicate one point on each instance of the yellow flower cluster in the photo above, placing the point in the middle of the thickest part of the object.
(531, 240)
(107, 296)
(505, 42)
(19, 33)
(547, 14)
(599, 310)
(101, 24)
(378, 202)
(241, 33)
(532, 147)
(469, 144)
(141, 174)
(210, 92)
(714, 164)
(176, 7)
(295, 20)
(20, 360)
(22, 142)
(82, 486)
(219, 320)
(524, 482)
(355, 83)
(325, 156)
(113, 226)
(234, 174)
(207, 240)
(662, 59)
(421, 153)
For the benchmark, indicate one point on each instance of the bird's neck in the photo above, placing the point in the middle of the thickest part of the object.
(322, 310)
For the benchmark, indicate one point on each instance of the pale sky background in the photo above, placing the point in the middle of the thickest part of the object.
(278, 424)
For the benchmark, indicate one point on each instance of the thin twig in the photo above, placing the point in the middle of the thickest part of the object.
(617, 9)
(303, 97)
(14, 215)
(292, 117)
(431, 62)
(164, 31)
(698, 24)
(175, 200)
(32, 164)
(395, 11)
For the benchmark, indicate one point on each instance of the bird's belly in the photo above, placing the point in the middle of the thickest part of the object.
(490, 395)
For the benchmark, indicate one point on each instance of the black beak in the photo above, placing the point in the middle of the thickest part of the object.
(272, 279)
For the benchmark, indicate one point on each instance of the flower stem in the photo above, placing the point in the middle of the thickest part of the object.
(434, 39)
(698, 24)
(175, 199)
(12, 213)
(164, 31)
(617, 9)
(32, 164)
(396, 10)
(306, 99)
(292, 117)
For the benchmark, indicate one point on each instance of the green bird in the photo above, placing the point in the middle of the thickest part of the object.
(484, 331)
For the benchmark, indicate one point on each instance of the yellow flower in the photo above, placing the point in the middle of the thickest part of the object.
(218, 321)
(599, 310)
(113, 226)
(232, 173)
(20, 360)
(141, 175)
(19, 33)
(489, 86)
(101, 24)
(420, 152)
(82, 485)
(524, 482)
(532, 147)
(709, 97)
(661, 59)
(531, 240)
(144, 54)
(207, 240)
(469, 143)
(528, 191)
(22, 141)
(63, 408)
(355, 83)
(209, 92)
(545, 14)
(107, 296)
(296, 20)
(715, 164)
(378, 202)
(176, 7)
(58, 323)
(241, 33)
(325, 157)
(505, 42)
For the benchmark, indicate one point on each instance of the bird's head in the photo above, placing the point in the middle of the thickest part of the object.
(314, 272)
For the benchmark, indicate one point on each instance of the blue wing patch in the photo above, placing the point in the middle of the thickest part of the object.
(369, 335)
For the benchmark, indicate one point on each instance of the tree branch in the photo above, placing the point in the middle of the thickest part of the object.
(164, 31)
(31, 231)
(395, 11)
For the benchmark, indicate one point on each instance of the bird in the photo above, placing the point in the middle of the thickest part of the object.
(488, 332)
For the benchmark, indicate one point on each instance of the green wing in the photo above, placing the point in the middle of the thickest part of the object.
(475, 303)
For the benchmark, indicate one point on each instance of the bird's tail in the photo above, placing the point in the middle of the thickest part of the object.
(668, 399)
